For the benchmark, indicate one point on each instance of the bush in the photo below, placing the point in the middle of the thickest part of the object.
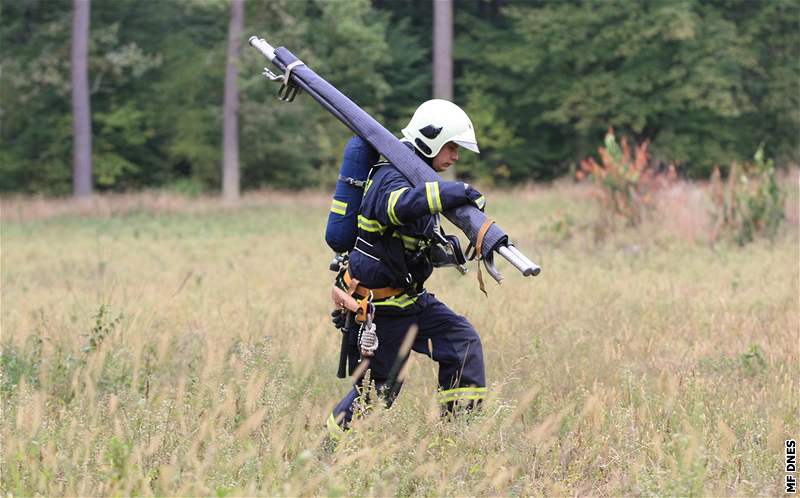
(16, 366)
(750, 205)
(626, 180)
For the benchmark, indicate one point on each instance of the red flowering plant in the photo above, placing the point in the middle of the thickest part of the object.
(626, 179)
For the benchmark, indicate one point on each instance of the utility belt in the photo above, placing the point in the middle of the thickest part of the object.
(364, 292)
(349, 294)
(359, 302)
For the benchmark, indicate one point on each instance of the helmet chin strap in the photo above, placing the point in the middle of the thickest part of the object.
(428, 160)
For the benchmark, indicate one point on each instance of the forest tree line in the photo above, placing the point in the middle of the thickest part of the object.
(705, 81)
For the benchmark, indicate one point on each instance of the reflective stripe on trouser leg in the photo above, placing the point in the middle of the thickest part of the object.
(453, 343)
(342, 414)
(341, 417)
(471, 395)
(390, 333)
(333, 428)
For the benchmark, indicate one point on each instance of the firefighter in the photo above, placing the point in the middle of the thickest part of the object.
(399, 242)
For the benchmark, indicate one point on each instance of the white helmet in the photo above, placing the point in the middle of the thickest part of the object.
(437, 122)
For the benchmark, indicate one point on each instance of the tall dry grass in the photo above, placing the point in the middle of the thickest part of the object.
(187, 351)
(16, 208)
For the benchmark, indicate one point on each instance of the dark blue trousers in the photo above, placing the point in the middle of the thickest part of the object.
(449, 339)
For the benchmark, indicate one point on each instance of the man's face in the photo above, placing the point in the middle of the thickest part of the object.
(447, 156)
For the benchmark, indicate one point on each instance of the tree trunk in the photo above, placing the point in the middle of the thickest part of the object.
(81, 112)
(443, 49)
(443, 56)
(230, 138)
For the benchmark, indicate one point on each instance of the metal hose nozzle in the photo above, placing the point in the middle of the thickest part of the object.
(263, 47)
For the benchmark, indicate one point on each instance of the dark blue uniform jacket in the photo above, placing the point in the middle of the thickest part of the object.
(395, 228)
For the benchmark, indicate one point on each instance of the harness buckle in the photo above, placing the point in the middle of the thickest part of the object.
(352, 181)
(363, 311)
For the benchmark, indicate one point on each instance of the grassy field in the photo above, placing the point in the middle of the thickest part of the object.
(178, 347)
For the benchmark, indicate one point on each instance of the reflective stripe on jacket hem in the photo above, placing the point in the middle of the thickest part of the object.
(401, 301)
(369, 225)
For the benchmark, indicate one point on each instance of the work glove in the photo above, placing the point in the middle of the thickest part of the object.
(474, 197)
(339, 318)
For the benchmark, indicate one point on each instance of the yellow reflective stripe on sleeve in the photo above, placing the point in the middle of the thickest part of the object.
(369, 184)
(370, 225)
(334, 430)
(393, 197)
(339, 207)
(432, 194)
(468, 393)
(428, 196)
(402, 301)
(437, 198)
(480, 202)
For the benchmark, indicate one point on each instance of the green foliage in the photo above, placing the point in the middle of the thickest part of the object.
(102, 328)
(688, 75)
(117, 454)
(299, 145)
(123, 129)
(36, 101)
(497, 136)
(187, 187)
(747, 364)
(16, 366)
(772, 30)
(751, 204)
(560, 230)
(705, 81)
(27, 363)
(752, 361)
(762, 206)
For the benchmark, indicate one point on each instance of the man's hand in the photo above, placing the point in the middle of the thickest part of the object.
(339, 318)
(475, 198)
